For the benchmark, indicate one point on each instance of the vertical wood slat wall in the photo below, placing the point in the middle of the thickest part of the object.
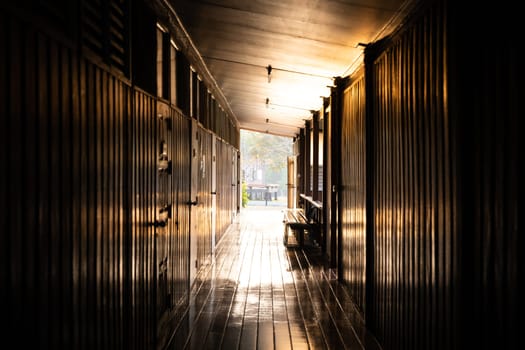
(149, 245)
(414, 255)
(180, 242)
(327, 175)
(172, 252)
(414, 200)
(225, 198)
(78, 197)
(446, 189)
(441, 248)
(64, 124)
(204, 229)
(353, 190)
(142, 190)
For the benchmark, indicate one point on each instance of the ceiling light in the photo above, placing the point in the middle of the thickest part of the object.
(269, 69)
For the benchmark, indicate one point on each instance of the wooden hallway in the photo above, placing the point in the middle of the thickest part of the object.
(124, 171)
(258, 294)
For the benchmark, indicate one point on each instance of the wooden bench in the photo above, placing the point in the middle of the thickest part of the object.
(298, 221)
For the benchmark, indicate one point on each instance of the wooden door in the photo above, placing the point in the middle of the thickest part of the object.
(194, 199)
(164, 229)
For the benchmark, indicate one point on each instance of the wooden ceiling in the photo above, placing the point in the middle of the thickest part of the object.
(307, 43)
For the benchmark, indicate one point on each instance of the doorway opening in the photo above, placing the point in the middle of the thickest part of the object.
(264, 169)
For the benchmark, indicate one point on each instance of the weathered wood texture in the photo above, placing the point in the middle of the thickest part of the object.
(415, 232)
(353, 190)
(84, 262)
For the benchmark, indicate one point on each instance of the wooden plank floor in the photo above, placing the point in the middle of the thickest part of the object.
(258, 294)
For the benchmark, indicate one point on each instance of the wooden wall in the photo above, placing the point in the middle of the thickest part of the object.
(142, 264)
(179, 241)
(95, 239)
(414, 289)
(431, 157)
(64, 195)
(227, 199)
(353, 190)
(205, 196)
